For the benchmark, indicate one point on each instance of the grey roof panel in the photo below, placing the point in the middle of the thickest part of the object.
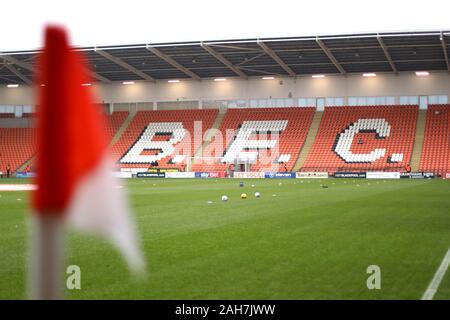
(356, 53)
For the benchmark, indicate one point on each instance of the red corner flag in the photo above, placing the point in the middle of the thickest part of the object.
(74, 172)
(71, 136)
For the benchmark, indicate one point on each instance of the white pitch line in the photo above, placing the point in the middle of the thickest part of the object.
(17, 187)
(438, 276)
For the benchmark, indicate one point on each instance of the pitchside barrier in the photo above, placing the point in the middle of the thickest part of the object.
(311, 175)
(279, 175)
(122, 174)
(180, 175)
(417, 175)
(150, 175)
(248, 175)
(210, 174)
(368, 175)
(25, 175)
(270, 175)
(383, 175)
(353, 175)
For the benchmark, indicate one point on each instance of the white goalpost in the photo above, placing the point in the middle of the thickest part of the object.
(202, 161)
(219, 160)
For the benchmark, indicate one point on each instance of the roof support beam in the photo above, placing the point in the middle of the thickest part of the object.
(276, 58)
(444, 47)
(19, 74)
(22, 64)
(224, 60)
(124, 65)
(97, 76)
(28, 66)
(173, 63)
(330, 56)
(387, 54)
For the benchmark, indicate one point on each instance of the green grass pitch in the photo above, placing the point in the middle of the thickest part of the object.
(298, 241)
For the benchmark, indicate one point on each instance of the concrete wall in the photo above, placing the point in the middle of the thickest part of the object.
(331, 86)
(16, 123)
(22, 95)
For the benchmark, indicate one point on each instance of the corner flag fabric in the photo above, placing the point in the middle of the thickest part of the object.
(74, 171)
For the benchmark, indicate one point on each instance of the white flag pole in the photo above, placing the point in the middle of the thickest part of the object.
(46, 257)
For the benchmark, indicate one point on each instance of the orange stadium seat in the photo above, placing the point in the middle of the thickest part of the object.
(7, 115)
(186, 146)
(436, 144)
(366, 150)
(29, 115)
(288, 143)
(17, 145)
(114, 122)
(390, 152)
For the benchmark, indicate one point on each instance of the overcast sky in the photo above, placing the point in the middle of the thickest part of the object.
(112, 22)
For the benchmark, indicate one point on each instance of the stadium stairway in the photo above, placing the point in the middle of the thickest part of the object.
(309, 141)
(26, 163)
(435, 156)
(17, 145)
(122, 128)
(418, 140)
(216, 126)
(117, 133)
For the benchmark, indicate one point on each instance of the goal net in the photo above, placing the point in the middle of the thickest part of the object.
(202, 161)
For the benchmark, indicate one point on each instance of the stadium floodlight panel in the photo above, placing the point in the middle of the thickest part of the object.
(127, 82)
(12, 85)
(422, 73)
(173, 81)
(220, 79)
(268, 78)
(318, 76)
(369, 74)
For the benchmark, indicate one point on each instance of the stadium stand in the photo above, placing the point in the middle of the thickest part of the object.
(7, 115)
(282, 129)
(29, 115)
(114, 121)
(353, 138)
(436, 146)
(17, 145)
(146, 138)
